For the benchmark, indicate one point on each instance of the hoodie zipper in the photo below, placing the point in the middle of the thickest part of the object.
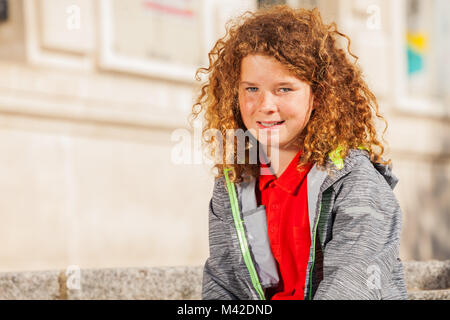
(335, 156)
(238, 222)
(313, 252)
(244, 244)
(339, 163)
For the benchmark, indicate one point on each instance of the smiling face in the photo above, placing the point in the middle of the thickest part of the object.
(272, 101)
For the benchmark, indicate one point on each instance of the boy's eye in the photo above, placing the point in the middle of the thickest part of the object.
(285, 89)
(251, 89)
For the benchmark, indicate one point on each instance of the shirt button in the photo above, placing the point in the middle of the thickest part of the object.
(274, 206)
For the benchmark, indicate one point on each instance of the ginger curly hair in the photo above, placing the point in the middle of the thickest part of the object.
(345, 108)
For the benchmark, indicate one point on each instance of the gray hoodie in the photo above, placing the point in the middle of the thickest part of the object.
(355, 223)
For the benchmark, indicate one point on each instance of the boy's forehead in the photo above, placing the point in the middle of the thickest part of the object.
(256, 68)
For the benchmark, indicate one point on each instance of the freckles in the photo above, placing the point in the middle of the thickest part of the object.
(242, 104)
(246, 106)
(246, 112)
(249, 113)
(246, 101)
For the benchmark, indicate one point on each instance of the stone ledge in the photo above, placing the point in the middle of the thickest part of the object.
(174, 283)
(424, 280)
(429, 295)
(44, 285)
(427, 275)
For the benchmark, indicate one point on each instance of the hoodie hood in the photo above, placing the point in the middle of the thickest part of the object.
(386, 172)
(339, 167)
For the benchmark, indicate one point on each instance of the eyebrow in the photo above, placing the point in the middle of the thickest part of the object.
(247, 83)
(284, 83)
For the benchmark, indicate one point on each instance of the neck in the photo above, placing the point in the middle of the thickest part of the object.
(280, 159)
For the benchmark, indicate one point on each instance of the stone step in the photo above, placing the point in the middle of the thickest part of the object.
(427, 275)
(443, 294)
(427, 280)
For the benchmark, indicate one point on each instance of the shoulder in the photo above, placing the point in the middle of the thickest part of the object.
(366, 182)
(359, 167)
(361, 174)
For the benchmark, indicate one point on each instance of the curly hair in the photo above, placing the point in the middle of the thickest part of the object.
(345, 108)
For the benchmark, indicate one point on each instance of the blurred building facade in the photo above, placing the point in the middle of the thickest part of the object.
(92, 91)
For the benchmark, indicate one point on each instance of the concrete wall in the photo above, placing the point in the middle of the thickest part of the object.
(424, 280)
(85, 147)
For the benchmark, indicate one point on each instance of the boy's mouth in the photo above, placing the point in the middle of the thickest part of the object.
(269, 124)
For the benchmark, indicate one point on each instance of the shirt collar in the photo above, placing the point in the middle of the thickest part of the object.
(289, 180)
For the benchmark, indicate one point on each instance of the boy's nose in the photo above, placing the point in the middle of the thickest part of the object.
(267, 103)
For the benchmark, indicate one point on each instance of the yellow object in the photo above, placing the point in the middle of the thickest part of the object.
(418, 41)
(337, 159)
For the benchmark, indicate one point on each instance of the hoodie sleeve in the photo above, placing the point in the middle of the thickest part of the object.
(361, 261)
(218, 267)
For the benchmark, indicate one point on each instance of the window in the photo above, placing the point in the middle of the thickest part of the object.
(442, 23)
(166, 39)
(268, 3)
(59, 33)
(307, 4)
(422, 72)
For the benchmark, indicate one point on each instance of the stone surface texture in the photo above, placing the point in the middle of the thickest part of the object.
(424, 280)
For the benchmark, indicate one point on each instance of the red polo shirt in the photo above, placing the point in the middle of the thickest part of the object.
(286, 205)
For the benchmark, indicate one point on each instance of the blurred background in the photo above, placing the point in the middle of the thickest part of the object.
(91, 92)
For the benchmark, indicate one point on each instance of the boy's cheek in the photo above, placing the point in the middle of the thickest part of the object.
(246, 110)
(248, 121)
